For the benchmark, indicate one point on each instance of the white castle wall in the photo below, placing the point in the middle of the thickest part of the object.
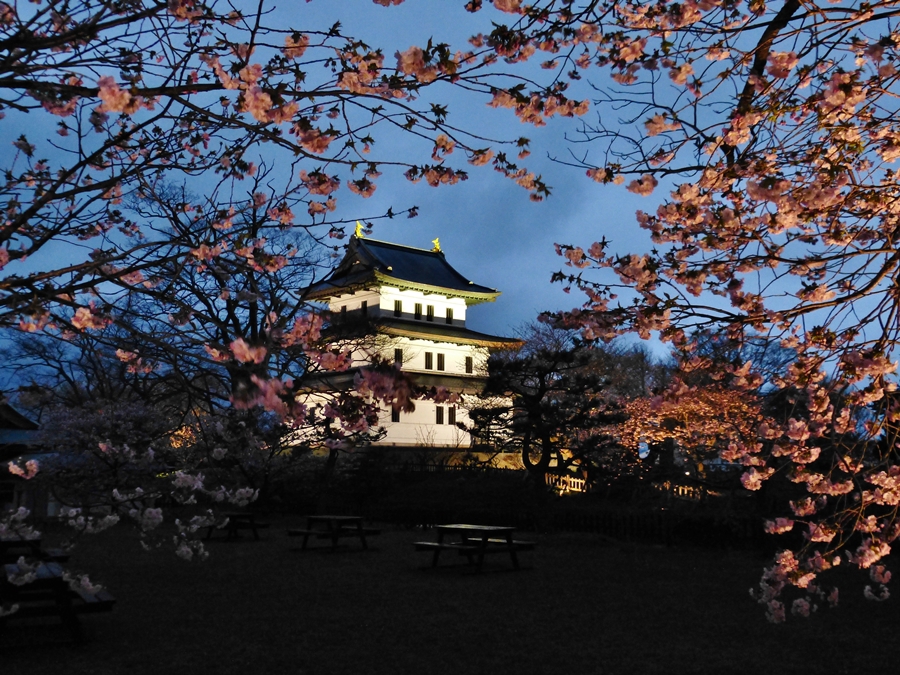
(380, 303)
(419, 428)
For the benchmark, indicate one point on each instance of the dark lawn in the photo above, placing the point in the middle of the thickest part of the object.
(580, 606)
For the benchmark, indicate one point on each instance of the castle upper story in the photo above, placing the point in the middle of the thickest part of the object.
(405, 291)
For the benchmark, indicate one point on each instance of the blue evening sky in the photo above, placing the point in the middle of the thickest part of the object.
(488, 228)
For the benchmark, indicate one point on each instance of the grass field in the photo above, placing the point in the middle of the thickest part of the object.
(581, 605)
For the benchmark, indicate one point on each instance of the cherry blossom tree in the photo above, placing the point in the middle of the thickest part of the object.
(151, 90)
(772, 129)
(701, 420)
(145, 194)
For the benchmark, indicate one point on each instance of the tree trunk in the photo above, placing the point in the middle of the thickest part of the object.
(538, 470)
(323, 490)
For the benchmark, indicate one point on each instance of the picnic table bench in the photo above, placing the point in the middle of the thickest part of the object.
(475, 542)
(49, 595)
(334, 528)
(237, 520)
(13, 547)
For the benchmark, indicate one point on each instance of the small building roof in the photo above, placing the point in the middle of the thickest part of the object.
(369, 261)
(18, 434)
(10, 418)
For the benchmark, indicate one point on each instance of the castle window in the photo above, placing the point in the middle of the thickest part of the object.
(451, 415)
(417, 315)
(398, 307)
(398, 357)
(470, 366)
(439, 414)
(440, 363)
(365, 307)
(429, 361)
(395, 415)
(429, 312)
(449, 315)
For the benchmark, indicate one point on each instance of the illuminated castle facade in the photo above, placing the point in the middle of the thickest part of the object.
(410, 305)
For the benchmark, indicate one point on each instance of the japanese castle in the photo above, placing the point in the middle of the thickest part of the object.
(410, 306)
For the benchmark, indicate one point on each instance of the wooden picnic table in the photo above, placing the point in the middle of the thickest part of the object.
(237, 520)
(474, 542)
(14, 546)
(333, 528)
(49, 595)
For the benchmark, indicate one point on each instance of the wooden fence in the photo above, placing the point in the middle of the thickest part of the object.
(567, 483)
(694, 493)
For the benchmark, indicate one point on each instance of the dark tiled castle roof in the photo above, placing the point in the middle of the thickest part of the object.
(369, 261)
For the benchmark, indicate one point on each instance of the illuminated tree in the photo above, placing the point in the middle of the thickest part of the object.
(700, 420)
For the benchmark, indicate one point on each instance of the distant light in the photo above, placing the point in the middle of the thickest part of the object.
(687, 473)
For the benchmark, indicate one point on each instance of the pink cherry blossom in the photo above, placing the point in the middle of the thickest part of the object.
(295, 46)
(88, 318)
(319, 183)
(332, 360)
(821, 532)
(775, 611)
(779, 526)
(658, 124)
(257, 103)
(509, 6)
(752, 479)
(313, 140)
(481, 157)
(245, 353)
(869, 552)
(680, 74)
(644, 185)
(879, 574)
(305, 331)
(631, 50)
(780, 64)
(30, 471)
(412, 62)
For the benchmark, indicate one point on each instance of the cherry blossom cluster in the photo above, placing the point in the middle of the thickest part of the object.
(132, 119)
(778, 219)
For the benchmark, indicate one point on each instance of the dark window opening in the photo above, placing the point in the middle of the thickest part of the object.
(398, 357)
(470, 366)
(440, 362)
(449, 315)
(451, 415)
(395, 415)
(439, 415)
(429, 312)
(398, 307)
(429, 361)
(418, 313)
(365, 307)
